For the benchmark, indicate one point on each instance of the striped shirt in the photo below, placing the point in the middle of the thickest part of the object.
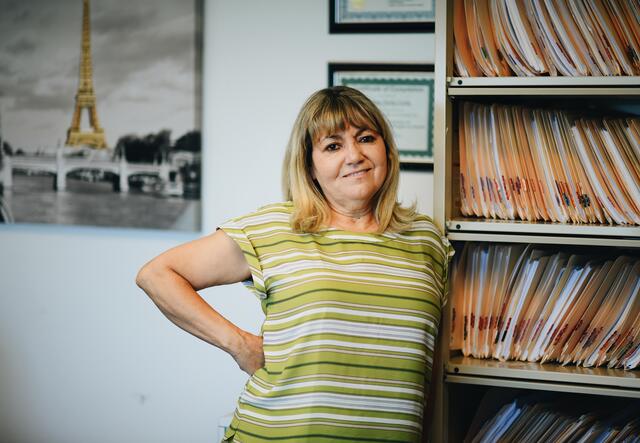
(349, 333)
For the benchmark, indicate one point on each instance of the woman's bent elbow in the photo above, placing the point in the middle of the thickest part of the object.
(144, 277)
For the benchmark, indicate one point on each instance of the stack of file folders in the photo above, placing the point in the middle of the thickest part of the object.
(533, 164)
(541, 304)
(497, 38)
(544, 418)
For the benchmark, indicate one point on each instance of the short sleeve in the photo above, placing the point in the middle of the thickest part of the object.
(237, 230)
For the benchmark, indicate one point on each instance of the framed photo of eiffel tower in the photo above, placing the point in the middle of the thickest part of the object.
(100, 113)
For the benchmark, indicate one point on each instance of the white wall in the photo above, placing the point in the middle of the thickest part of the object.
(84, 356)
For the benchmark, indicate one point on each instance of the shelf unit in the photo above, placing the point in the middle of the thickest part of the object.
(461, 374)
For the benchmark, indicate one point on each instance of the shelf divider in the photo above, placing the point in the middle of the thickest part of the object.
(546, 82)
(541, 228)
(548, 372)
(542, 386)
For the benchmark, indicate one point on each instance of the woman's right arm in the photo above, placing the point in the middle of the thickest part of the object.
(172, 279)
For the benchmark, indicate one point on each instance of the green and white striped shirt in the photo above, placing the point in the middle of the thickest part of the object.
(349, 334)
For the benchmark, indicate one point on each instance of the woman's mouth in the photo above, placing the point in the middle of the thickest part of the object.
(357, 173)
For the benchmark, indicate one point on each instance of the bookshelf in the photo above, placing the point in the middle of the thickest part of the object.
(464, 379)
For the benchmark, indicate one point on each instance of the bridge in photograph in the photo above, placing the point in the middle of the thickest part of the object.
(61, 166)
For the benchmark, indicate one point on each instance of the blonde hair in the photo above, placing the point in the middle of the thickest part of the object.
(328, 111)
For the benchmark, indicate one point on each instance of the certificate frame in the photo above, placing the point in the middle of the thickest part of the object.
(414, 83)
(356, 16)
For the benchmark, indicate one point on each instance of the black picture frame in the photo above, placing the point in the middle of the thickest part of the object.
(339, 73)
(377, 25)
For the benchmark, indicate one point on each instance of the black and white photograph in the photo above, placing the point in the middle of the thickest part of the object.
(100, 113)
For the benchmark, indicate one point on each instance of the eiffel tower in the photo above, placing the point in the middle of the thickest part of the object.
(85, 97)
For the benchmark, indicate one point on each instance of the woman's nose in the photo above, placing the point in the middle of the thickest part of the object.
(354, 152)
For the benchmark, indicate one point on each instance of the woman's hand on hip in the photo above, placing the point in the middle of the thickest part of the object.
(249, 354)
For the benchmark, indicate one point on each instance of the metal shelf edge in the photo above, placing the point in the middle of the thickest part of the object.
(564, 82)
(541, 239)
(542, 386)
(520, 227)
(543, 373)
(595, 91)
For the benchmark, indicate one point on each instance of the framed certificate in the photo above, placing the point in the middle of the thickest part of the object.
(352, 16)
(404, 93)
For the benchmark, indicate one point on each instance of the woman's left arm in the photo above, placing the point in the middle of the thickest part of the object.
(172, 279)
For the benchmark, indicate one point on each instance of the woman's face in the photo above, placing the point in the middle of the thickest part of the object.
(350, 166)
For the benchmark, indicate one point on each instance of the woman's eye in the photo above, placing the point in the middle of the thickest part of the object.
(331, 147)
(367, 139)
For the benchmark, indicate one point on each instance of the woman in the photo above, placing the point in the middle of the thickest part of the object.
(351, 284)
